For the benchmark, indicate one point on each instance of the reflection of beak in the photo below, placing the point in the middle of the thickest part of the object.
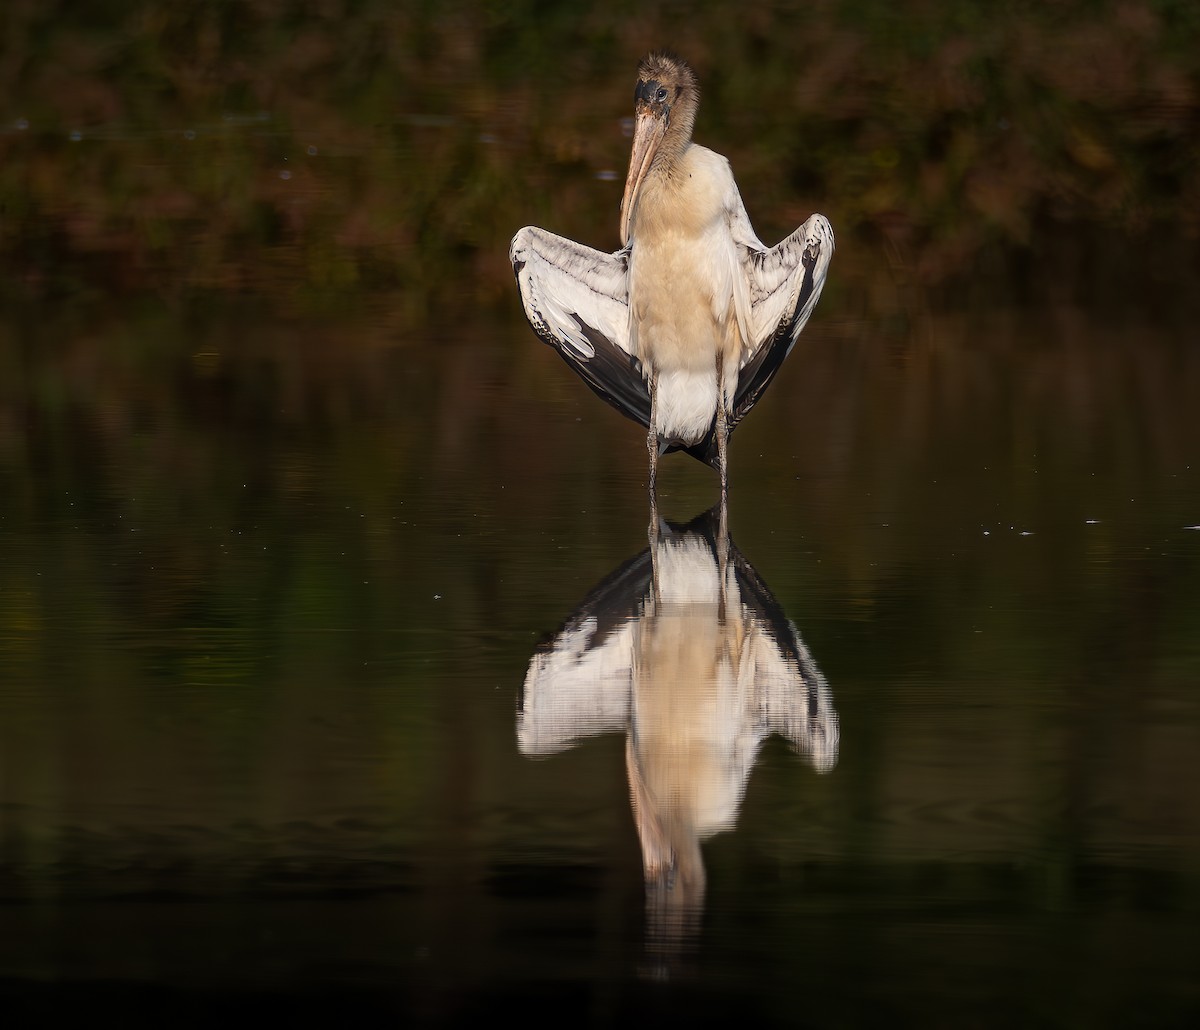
(647, 135)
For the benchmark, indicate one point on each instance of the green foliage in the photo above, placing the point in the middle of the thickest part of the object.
(342, 144)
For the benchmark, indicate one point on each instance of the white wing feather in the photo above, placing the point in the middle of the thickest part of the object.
(565, 285)
(785, 281)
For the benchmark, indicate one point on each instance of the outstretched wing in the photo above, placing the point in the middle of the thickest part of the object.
(783, 284)
(577, 300)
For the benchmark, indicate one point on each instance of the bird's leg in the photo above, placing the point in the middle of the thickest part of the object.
(722, 432)
(652, 443)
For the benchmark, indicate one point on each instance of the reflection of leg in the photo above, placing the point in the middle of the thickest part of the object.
(652, 437)
(723, 530)
(654, 534)
(722, 551)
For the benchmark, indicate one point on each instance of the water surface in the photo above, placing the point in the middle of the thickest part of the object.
(343, 672)
(267, 637)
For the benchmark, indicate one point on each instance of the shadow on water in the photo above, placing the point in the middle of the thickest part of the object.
(685, 651)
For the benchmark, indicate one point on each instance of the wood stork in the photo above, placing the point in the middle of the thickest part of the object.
(683, 328)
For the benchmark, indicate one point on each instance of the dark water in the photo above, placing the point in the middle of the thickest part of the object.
(343, 674)
(271, 735)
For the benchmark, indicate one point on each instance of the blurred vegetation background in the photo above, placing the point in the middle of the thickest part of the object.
(311, 148)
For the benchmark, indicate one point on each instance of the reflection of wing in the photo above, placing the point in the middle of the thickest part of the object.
(577, 300)
(575, 690)
(578, 684)
(791, 694)
(793, 700)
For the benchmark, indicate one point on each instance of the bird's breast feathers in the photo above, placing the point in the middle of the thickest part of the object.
(687, 204)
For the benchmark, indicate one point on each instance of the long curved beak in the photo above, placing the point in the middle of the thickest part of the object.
(648, 133)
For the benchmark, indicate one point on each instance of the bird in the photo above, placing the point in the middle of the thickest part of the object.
(684, 327)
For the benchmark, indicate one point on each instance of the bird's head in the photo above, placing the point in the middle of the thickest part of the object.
(664, 102)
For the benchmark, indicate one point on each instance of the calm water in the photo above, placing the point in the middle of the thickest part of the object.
(344, 675)
(320, 671)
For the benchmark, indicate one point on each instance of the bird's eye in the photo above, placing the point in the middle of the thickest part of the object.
(661, 95)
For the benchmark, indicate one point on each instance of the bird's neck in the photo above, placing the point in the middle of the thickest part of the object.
(669, 161)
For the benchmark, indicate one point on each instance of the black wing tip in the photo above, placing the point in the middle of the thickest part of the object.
(610, 373)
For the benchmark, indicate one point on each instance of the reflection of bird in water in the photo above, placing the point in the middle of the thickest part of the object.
(683, 328)
(684, 650)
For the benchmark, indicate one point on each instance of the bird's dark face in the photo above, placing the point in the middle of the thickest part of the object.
(666, 89)
(654, 98)
(664, 81)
